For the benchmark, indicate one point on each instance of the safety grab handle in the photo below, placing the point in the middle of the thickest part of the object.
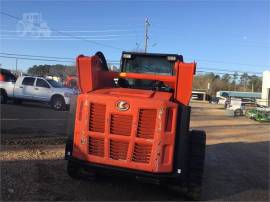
(164, 78)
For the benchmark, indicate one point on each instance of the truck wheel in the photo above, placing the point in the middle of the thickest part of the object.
(58, 103)
(238, 112)
(4, 97)
(196, 163)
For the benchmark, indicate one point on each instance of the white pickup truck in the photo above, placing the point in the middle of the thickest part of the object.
(239, 106)
(36, 89)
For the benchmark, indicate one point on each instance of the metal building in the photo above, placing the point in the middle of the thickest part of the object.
(265, 98)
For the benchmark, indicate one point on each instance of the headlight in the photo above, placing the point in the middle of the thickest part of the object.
(171, 58)
(127, 56)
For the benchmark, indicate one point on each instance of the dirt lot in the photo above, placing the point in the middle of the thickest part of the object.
(237, 161)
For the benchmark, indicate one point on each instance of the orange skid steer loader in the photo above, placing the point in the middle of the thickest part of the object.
(136, 121)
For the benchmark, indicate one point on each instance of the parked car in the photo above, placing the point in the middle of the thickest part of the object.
(251, 113)
(261, 114)
(231, 101)
(36, 89)
(71, 82)
(7, 79)
(239, 107)
(214, 100)
(221, 100)
(194, 97)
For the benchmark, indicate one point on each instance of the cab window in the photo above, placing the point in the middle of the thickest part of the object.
(28, 81)
(10, 78)
(41, 83)
(148, 65)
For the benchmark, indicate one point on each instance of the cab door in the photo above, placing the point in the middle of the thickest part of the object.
(25, 90)
(42, 90)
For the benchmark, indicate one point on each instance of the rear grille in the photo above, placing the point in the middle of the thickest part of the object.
(141, 153)
(118, 150)
(97, 117)
(96, 146)
(146, 124)
(121, 124)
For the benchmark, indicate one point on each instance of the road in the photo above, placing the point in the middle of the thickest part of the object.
(33, 120)
(236, 167)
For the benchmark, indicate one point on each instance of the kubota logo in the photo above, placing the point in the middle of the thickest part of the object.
(122, 105)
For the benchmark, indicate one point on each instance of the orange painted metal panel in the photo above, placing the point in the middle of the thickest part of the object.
(163, 78)
(130, 150)
(183, 88)
(91, 76)
(140, 137)
(84, 72)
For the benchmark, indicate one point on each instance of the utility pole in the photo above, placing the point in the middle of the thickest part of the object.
(147, 24)
(17, 66)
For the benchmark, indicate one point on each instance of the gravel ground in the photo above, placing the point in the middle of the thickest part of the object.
(237, 165)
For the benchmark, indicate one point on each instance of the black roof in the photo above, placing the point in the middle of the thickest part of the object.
(5, 71)
(180, 57)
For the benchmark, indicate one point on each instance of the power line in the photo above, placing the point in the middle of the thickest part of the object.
(39, 56)
(58, 39)
(77, 31)
(220, 73)
(127, 25)
(38, 59)
(114, 62)
(254, 43)
(146, 43)
(66, 59)
(228, 70)
(70, 35)
(81, 36)
(51, 58)
(225, 62)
